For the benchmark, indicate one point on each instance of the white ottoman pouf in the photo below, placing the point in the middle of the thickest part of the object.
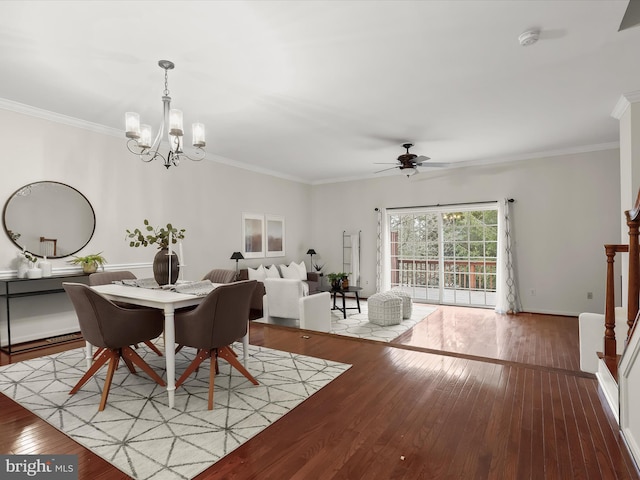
(407, 303)
(385, 308)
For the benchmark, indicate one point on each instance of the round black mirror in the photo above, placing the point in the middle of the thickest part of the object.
(49, 219)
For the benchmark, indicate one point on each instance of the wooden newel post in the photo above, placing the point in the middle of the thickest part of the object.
(610, 308)
(633, 222)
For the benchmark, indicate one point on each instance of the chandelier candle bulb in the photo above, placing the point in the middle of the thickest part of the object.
(132, 122)
(175, 122)
(198, 135)
(145, 137)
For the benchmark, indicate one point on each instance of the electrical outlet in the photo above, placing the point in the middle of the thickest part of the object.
(532, 292)
(589, 295)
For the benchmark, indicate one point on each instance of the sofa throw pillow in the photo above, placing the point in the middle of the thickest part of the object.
(272, 272)
(302, 269)
(257, 273)
(289, 272)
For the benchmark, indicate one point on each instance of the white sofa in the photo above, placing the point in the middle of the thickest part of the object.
(591, 328)
(287, 298)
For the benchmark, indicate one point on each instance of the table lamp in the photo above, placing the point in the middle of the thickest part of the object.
(237, 256)
(311, 252)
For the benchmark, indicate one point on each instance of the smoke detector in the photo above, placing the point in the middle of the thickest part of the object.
(529, 37)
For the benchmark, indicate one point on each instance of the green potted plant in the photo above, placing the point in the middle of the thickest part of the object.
(335, 280)
(159, 236)
(90, 263)
(154, 235)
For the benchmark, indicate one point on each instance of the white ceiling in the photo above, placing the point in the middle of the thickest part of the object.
(323, 90)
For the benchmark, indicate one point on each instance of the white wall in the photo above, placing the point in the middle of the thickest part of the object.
(566, 209)
(205, 198)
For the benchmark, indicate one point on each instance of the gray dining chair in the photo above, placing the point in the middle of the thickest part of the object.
(213, 326)
(113, 328)
(105, 278)
(219, 275)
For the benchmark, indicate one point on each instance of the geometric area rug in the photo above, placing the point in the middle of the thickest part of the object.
(138, 433)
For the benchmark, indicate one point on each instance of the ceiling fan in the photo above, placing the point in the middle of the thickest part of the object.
(410, 162)
(631, 15)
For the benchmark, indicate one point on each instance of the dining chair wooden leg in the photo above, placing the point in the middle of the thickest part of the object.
(132, 356)
(212, 379)
(201, 356)
(150, 344)
(227, 354)
(127, 361)
(113, 365)
(100, 361)
(98, 352)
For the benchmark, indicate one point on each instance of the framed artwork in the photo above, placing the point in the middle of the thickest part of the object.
(275, 235)
(253, 235)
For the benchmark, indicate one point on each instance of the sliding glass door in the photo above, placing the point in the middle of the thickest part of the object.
(439, 255)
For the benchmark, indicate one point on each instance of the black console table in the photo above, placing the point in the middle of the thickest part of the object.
(28, 287)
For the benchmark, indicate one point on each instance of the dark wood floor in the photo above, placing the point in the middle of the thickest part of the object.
(466, 395)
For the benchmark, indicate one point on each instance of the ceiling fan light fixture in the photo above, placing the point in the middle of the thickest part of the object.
(529, 37)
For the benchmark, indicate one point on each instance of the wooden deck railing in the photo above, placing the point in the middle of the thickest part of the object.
(460, 274)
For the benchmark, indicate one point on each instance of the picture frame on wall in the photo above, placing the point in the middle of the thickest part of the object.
(275, 236)
(253, 239)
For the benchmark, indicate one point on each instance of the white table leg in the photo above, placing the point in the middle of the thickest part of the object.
(88, 354)
(245, 347)
(170, 352)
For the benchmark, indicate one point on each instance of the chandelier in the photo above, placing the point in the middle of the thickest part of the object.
(139, 136)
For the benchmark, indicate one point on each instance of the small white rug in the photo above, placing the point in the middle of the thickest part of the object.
(138, 433)
(357, 323)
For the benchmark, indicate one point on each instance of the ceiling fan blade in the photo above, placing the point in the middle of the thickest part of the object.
(386, 163)
(631, 16)
(421, 158)
(434, 164)
(384, 170)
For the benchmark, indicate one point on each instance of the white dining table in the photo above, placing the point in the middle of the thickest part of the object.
(167, 301)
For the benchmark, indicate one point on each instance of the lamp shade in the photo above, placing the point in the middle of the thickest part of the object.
(311, 251)
(237, 256)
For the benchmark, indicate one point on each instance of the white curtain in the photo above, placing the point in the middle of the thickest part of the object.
(354, 277)
(379, 216)
(508, 300)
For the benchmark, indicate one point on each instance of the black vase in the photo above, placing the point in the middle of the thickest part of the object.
(161, 267)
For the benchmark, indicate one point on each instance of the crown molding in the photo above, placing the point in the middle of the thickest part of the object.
(58, 118)
(625, 102)
(114, 132)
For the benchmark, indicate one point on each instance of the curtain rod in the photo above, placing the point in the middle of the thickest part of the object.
(511, 200)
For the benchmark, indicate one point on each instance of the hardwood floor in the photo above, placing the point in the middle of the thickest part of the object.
(466, 395)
